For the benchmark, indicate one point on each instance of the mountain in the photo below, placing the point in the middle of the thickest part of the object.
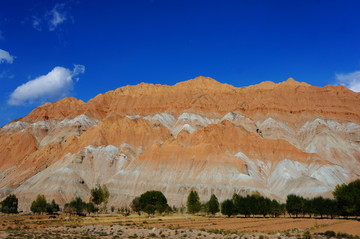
(199, 134)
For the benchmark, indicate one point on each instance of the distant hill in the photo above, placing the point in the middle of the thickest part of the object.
(199, 134)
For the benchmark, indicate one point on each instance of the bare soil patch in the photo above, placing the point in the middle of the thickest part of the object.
(173, 226)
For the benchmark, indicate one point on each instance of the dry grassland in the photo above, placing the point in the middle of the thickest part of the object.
(174, 226)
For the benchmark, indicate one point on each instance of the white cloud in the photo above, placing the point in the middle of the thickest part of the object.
(78, 69)
(36, 23)
(6, 57)
(56, 16)
(52, 19)
(350, 80)
(54, 85)
(6, 75)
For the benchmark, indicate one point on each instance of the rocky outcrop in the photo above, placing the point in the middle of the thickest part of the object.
(199, 134)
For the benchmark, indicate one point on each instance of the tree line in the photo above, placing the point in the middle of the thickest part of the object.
(98, 202)
(346, 203)
(254, 204)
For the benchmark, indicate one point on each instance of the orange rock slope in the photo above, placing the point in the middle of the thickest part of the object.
(198, 134)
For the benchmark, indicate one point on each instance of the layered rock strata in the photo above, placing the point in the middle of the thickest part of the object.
(199, 134)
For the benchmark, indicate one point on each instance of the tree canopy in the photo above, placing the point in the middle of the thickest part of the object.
(294, 204)
(40, 205)
(193, 202)
(100, 194)
(348, 198)
(213, 205)
(153, 201)
(9, 204)
(52, 207)
(227, 208)
(135, 205)
(78, 206)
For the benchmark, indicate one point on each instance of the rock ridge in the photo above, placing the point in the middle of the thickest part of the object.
(274, 138)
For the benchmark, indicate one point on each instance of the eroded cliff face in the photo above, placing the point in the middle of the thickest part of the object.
(199, 134)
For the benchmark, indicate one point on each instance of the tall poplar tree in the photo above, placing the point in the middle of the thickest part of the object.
(193, 202)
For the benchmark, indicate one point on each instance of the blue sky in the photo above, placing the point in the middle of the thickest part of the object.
(51, 49)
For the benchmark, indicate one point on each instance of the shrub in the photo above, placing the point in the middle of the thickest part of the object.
(329, 234)
(307, 235)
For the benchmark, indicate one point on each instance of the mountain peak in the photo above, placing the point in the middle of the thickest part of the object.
(269, 85)
(292, 81)
(201, 81)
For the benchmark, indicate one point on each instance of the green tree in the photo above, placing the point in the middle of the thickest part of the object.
(319, 206)
(348, 198)
(254, 201)
(135, 205)
(331, 207)
(193, 202)
(294, 204)
(309, 207)
(90, 207)
(213, 205)
(52, 207)
(244, 205)
(100, 195)
(9, 204)
(39, 205)
(227, 208)
(149, 209)
(152, 201)
(276, 209)
(236, 201)
(264, 205)
(78, 205)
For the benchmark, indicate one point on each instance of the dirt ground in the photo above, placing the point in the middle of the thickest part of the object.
(266, 225)
(173, 226)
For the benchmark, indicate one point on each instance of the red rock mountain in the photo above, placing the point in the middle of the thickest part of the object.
(199, 134)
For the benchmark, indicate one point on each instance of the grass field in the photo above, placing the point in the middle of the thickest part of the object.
(118, 226)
